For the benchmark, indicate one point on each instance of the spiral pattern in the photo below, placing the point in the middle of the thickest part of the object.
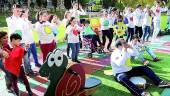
(71, 84)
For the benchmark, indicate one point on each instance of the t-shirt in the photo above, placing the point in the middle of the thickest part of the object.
(130, 18)
(45, 32)
(104, 23)
(88, 31)
(73, 34)
(15, 25)
(120, 60)
(14, 61)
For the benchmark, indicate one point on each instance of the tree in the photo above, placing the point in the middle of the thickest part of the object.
(39, 3)
(54, 3)
(67, 4)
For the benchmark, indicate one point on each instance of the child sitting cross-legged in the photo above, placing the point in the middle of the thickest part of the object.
(13, 63)
(141, 48)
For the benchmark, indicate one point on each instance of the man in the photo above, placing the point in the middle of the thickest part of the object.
(16, 25)
(123, 71)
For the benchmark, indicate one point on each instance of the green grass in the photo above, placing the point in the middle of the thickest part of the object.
(163, 22)
(2, 20)
(110, 87)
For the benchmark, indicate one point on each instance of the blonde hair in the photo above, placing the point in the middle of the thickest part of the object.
(66, 13)
(40, 13)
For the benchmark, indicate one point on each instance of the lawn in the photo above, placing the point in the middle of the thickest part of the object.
(2, 20)
(110, 87)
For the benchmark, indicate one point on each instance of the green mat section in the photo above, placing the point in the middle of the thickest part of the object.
(110, 87)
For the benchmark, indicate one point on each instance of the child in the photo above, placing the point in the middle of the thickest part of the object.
(130, 25)
(90, 34)
(4, 54)
(140, 49)
(67, 17)
(106, 31)
(28, 35)
(45, 32)
(157, 10)
(138, 16)
(72, 32)
(147, 24)
(119, 27)
(13, 63)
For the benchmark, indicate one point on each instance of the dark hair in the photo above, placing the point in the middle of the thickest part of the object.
(51, 18)
(120, 17)
(16, 6)
(15, 36)
(72, 18)
(158, 2)
(114, 9)
(118, 42)
(2, 34)
(138, 6)
(87, 22)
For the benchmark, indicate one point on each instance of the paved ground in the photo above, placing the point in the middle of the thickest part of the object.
(39, 84)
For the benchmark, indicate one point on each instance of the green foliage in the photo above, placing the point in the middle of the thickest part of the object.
(67, 4)
(54, 2)
(119, 5)
(39, 2)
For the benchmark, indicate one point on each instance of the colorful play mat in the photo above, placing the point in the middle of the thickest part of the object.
(97, 66)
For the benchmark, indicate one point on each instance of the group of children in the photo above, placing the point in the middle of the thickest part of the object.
(136, 24)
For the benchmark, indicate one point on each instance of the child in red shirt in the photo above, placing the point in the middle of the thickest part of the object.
(13, 64)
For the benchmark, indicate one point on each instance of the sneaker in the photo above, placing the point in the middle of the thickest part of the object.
(110, 50)
(146, 62)
(145, 94)
(32, 74)
(78, 61)
(38, 65)
(68, 57)
(30, 93)
(164, 84)
(10, 90)
(156, 59)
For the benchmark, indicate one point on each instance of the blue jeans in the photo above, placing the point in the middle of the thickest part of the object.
(75, 50)
(7, 75)
(27, 65)
(149, 51)
(147, 33)
(123, 78)
(33, 50)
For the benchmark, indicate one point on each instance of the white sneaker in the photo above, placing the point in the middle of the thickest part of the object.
(145, 94)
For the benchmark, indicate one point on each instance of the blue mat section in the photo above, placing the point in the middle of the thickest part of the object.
(166, 92)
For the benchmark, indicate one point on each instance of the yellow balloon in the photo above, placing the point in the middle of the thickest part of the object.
(48, 29)
(61, 32)
(35, 36)
(95, 23)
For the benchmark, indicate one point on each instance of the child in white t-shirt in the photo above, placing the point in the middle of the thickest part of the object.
(45, 33)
